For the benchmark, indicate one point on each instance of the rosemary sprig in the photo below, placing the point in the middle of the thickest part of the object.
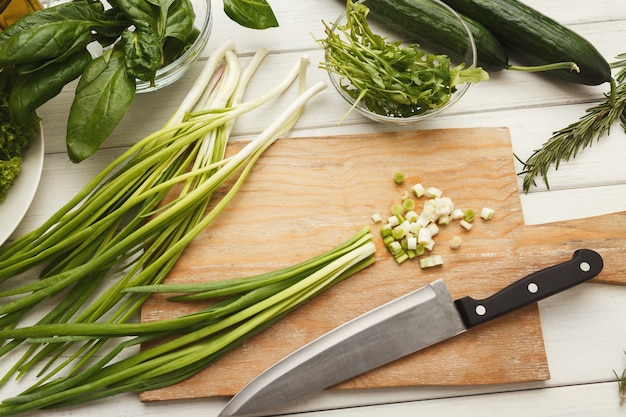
(566, 143)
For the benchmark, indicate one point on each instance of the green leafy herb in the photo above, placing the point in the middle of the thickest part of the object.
(255, 14)
(15, 137)
(103, 95)
(152, 33)
(566, 143)
(389, 78)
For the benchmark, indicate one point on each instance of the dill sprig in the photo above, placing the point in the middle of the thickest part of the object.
(566, 143)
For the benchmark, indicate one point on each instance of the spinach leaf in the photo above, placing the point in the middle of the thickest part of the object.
(143, 53)
(140, 12)
(50, 34)
(103, 95)
(174, 48)
(254, 14)
(114, 22)
(32, 90)
(180, 21)
(164, 7)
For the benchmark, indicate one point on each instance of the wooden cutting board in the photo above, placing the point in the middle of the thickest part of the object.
(305, 196)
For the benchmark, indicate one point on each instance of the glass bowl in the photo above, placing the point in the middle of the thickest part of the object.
(340, 82)
(174, 71)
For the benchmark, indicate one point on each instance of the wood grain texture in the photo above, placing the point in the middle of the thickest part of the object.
(308, 195)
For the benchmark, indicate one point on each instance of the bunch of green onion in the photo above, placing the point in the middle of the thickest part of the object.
(126, 229)
(246, 306)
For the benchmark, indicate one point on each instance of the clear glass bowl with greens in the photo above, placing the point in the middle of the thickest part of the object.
(174, 71)
(375, 106)
(170, 73)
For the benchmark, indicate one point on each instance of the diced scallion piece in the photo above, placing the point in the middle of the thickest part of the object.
(397, 209)
(433, 192)
(399, 178)
(487, 213)
(431, 261)
(418, 190)
(410, 233)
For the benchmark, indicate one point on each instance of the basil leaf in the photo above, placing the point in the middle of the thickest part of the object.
(143, 53)
(53, 33)
(32, 90)
(254, 14)
(103, 95)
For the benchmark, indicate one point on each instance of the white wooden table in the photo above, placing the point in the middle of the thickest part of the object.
(584, 330)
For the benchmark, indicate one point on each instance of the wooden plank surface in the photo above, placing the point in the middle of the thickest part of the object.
(305, 196)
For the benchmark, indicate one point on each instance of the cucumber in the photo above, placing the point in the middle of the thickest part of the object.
(435, 27)
(537, 38)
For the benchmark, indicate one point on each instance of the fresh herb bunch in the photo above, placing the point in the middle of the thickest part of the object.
(49, 49)
(389, 78)
(15, 138)
(566, 143)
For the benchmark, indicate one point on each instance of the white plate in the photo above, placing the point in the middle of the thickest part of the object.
(20, 195)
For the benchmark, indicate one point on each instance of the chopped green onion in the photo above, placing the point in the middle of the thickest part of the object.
(397, 209)
(455, 243)
(431, 261)
(408, 204)
(418, 190)
(414, 233)
(487, 213)
(469, 215)
(466, 225)
(433, 192)
(399, 178)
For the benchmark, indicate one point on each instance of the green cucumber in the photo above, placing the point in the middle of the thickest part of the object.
(537, 38)
(435, 27)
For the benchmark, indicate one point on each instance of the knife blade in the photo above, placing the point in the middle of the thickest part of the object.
(403, 326)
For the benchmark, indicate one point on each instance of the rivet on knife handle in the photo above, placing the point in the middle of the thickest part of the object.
(584, 265)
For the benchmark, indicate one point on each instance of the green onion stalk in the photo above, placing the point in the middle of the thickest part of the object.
(245, 307)
(128, 226)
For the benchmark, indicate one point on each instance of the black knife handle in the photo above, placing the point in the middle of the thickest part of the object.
(585, 264)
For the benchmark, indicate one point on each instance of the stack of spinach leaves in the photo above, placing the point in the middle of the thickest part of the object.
(48, 48)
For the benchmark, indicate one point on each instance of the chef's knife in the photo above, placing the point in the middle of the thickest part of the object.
(403, 326)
